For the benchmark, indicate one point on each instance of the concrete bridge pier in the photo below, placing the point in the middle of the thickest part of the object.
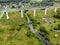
(2, 15)
(7, 15)
(5, 12)
(34, 12)
(21, 13)
(46, 11)
(55, 9)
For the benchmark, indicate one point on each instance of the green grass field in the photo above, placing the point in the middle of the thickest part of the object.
(38, 22)
(15, 31)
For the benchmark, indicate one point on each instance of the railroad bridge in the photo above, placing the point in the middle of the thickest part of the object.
(22, 9)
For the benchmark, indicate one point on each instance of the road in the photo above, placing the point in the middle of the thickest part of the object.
(30, 24)
(46, 42)
(28, 8)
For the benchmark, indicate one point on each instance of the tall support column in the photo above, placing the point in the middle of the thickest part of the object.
(2, 15)
(21, 13)
(55, 9)
(46, 11)
(7, 15)
(34, 12)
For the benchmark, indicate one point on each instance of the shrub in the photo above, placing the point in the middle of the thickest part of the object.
(44, 33)
(57, 27)
(57, 16)
(1, 30)
(43, 30)
(12, 28)
(30, 34)
(57, 44)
